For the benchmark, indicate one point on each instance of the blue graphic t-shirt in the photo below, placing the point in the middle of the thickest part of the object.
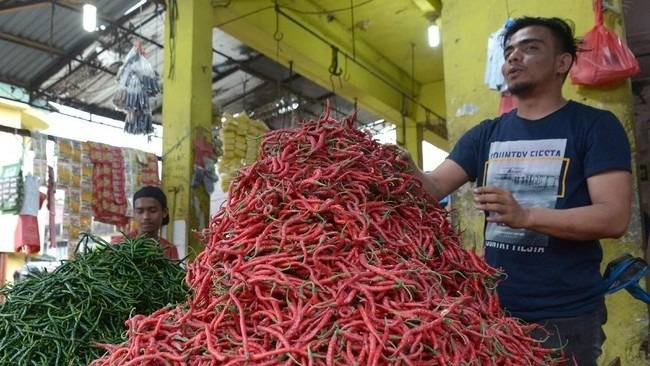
(544, 163)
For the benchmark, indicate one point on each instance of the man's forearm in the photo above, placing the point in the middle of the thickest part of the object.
(429, 184)
(582, 223)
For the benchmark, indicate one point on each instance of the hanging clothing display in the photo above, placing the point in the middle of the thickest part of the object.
(31, 196)
(97, 181)
(27, 237)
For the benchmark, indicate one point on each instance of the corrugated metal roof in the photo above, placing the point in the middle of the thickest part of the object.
(267, 83)
(61, 29)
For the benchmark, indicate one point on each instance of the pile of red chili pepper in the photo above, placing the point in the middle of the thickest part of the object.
(329, 252)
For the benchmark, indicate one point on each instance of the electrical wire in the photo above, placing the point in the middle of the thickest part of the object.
(172, 8)
(320, 12)
(325, 11)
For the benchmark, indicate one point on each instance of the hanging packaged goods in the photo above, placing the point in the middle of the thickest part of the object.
(109, 198)
(39, 143)
(241, 138)
(329, 252)
(137, 82)
(11, 188)
(97, 181)
(59, 318)
(70, 174)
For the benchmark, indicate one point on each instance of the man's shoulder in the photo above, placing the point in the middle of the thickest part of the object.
(488, 124)
(589, 112)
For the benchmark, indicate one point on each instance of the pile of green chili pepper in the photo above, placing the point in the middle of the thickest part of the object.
(58, 318)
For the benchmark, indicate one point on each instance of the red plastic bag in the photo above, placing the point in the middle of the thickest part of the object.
(604, 58)
(508, 102)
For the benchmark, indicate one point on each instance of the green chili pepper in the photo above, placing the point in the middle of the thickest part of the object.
(57, 318)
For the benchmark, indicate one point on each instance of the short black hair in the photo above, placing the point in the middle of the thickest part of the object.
(563, 30)
(155, 193)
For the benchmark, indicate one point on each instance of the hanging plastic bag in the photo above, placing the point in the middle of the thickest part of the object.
(507, 103)
(137, 82)
(604, 59)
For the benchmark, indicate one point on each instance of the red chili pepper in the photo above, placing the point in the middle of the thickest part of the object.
(327, 252)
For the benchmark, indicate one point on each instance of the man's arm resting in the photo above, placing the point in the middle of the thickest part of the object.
(607, 217)
(445, 179)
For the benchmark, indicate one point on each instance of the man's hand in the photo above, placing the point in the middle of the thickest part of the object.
(443, 180)
(503, 206)
(405, 156)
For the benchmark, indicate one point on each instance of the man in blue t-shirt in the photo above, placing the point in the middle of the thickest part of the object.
(553, 177)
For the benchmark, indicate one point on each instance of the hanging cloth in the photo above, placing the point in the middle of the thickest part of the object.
(494, 61)
(27, 238)
(51, 206)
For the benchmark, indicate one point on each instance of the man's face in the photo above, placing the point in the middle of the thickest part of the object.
(532, 60)
(149, 214)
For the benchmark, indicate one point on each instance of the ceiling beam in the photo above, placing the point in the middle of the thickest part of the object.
(87, 40)
(241, 96)
(427, 6)
(89, 108)
(234, 68)
(285, 84)
(26, 42)
(25, 5)
(319, 51)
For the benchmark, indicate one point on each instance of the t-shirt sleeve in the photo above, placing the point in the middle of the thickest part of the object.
(465, 152)
(607, 146)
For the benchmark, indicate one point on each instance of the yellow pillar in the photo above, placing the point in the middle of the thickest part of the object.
(187, 108)
(432, 95)
(469, 101)
(409, 136)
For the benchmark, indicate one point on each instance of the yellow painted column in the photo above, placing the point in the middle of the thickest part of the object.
(187, 108)
(409, 136)
(432, 95)
(469, 102)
